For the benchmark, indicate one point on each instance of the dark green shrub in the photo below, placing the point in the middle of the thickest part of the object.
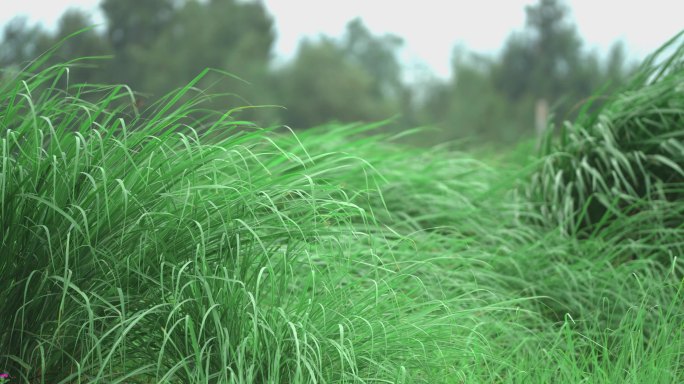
(624, 163)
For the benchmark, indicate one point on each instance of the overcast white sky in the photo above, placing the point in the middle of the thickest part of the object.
(431, 28)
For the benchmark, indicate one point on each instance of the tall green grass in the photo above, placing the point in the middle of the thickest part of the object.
(183, 245)
(624, 162)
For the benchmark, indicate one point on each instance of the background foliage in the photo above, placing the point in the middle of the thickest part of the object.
(157, 46)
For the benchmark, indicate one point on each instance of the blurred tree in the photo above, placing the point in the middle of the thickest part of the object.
(617, 67)
(224, 34)
(322, 85)
(88, 43)
(471, 108)
(132, 27)
(545, 60)
(21, 42)
(164, 44)
(377, 56)
(357, 78)
(136, 23)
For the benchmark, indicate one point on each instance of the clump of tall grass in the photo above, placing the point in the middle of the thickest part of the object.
(625, 162)
(167, 248)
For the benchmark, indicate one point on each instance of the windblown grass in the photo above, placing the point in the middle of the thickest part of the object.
(625, 160)
(189, 246)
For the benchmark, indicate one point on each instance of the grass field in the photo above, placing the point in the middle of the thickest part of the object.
(186, 246)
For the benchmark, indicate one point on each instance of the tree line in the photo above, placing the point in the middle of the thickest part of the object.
(156, 46)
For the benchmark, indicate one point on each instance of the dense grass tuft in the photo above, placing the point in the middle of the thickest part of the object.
(626, 161)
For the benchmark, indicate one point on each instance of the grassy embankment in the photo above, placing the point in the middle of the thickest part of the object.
(181, 249)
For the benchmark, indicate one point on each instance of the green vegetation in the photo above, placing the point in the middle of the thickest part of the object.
(184, 245)
(626, 163)
(157, 46)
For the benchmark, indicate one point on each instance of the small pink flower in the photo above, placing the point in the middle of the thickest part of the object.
(4, 375)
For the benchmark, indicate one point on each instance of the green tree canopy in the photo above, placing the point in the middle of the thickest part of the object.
(229, 35)
(21, 42)
(321, 84)
(545, 60)
(377, 56)
(357, 78)
(87, 43)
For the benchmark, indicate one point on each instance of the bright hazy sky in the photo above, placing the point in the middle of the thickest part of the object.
(431, 28)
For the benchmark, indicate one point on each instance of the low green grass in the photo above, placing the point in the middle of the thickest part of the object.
(187, 246)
